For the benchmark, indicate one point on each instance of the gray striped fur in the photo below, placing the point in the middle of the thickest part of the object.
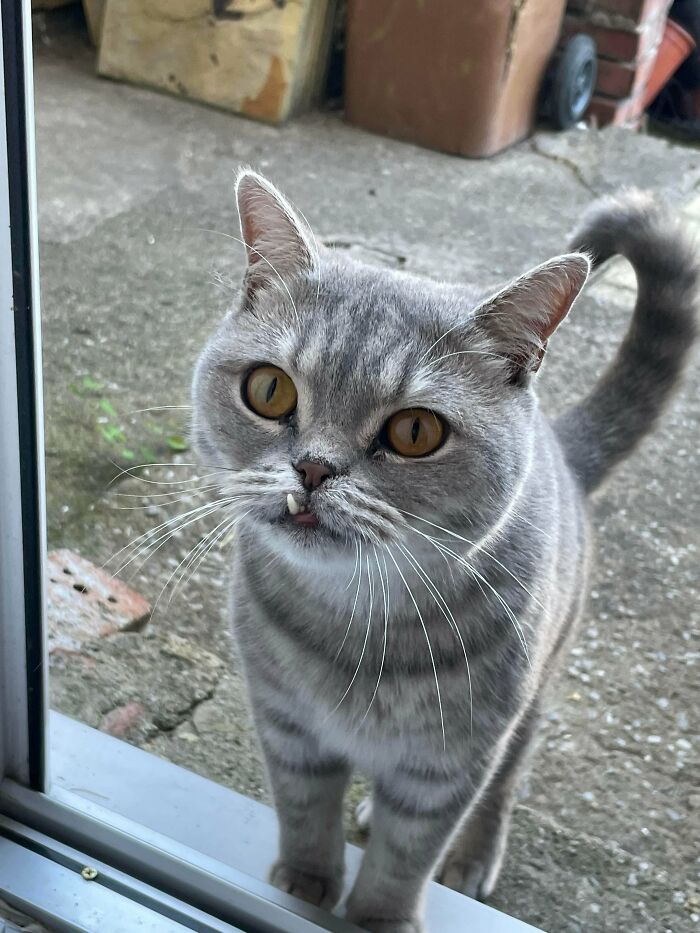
(354, 635)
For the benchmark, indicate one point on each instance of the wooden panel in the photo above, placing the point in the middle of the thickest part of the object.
(263, 58)
(94, 11)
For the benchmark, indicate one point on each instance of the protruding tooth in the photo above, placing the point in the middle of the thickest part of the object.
(292, 505)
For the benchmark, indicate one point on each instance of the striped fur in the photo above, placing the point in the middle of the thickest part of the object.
(411, 635)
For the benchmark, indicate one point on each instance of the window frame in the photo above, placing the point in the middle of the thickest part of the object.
(51, 829)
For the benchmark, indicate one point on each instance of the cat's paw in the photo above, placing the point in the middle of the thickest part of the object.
(323, 890)
(476, 877)
(363, 814)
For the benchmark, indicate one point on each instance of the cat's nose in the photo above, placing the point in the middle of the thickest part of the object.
(313, 472)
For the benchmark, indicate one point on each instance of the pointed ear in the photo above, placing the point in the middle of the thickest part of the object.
(277, 242)
(520, 318)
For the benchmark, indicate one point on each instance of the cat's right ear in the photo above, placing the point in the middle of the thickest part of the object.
(278, 243)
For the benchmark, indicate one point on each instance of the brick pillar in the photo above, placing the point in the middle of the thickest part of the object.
(628, 34)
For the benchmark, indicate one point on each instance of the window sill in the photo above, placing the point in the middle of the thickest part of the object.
(189, 836)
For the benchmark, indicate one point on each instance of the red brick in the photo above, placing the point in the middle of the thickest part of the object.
(121, 720)
(620, 79)
(636, 11)
(85, 603)
(607, 110)
(617, 44)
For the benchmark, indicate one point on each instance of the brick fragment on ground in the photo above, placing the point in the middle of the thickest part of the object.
(85, 602)
(119, 721)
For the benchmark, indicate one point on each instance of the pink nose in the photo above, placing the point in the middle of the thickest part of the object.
(313, 473)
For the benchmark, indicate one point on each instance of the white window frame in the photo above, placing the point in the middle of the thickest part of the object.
(172, 851)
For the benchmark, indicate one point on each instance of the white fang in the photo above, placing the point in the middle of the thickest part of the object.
(292, 505)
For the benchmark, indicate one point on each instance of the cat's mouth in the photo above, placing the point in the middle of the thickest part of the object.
(300, 514)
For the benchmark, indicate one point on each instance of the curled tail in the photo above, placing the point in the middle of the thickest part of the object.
(627, 401)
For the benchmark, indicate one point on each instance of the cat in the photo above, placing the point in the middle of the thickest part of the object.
(413, 533)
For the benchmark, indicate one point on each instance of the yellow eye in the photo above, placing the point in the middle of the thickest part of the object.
(270, 392)
(415, 432)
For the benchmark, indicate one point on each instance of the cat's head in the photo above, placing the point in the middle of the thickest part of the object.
(349, 402)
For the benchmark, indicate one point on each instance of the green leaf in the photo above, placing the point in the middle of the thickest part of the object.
(147, 455)
(108, 408)
(176, 442)
(91, 384)
(127, 454)
(112, 433)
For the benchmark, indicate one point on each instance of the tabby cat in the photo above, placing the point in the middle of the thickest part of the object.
(413, 532)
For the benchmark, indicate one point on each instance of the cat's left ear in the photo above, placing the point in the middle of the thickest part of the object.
(523, 316)
(278, 243)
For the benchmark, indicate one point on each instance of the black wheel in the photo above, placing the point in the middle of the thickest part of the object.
(573, 82)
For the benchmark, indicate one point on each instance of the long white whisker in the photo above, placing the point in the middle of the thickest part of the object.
(446, 356)
(370, 582)
(252, 249)
(385, 598)
(141, 411)
(357, 563)
(354, 605)
(190, 552)
(430, 649)
(475, 546)
(447, 612)
(153, 546)
(196, 561)
(475, 573)
(152, 532)
(128, 471)
(166, 495)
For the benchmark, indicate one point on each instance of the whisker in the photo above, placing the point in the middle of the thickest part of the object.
(357, 562)
(189, 554)
(318, 254)
(230, 236)
(128, 471)
(165, 495)
(430, 649)
(196, 561)
(198, 514)
(495, 356)
(141, 411)
(476, 546)
(475, 573)
(153, 531)
(370, 583)
(385, 598)
(354, 605)
(442, 605)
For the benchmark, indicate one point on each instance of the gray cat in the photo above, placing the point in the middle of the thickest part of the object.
(413, 532)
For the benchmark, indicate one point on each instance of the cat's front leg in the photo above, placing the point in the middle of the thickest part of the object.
(308, 786)
(409, 829)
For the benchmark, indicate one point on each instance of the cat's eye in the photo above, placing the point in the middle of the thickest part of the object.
(415, 432)
(269, 392)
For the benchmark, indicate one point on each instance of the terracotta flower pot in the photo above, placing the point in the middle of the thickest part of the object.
(676, 46)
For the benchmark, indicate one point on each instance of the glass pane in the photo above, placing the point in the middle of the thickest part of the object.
(141, 259)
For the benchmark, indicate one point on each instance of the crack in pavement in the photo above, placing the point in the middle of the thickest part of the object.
(568, 163)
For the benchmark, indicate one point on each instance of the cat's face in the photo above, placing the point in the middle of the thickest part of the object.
(349, 403)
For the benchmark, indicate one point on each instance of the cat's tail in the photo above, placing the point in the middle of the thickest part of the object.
(627, 401)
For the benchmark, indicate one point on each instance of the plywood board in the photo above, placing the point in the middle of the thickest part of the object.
(94, 11)
(263, 58)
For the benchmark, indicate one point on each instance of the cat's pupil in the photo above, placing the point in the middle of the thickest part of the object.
(415, 430)
(271, 389)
